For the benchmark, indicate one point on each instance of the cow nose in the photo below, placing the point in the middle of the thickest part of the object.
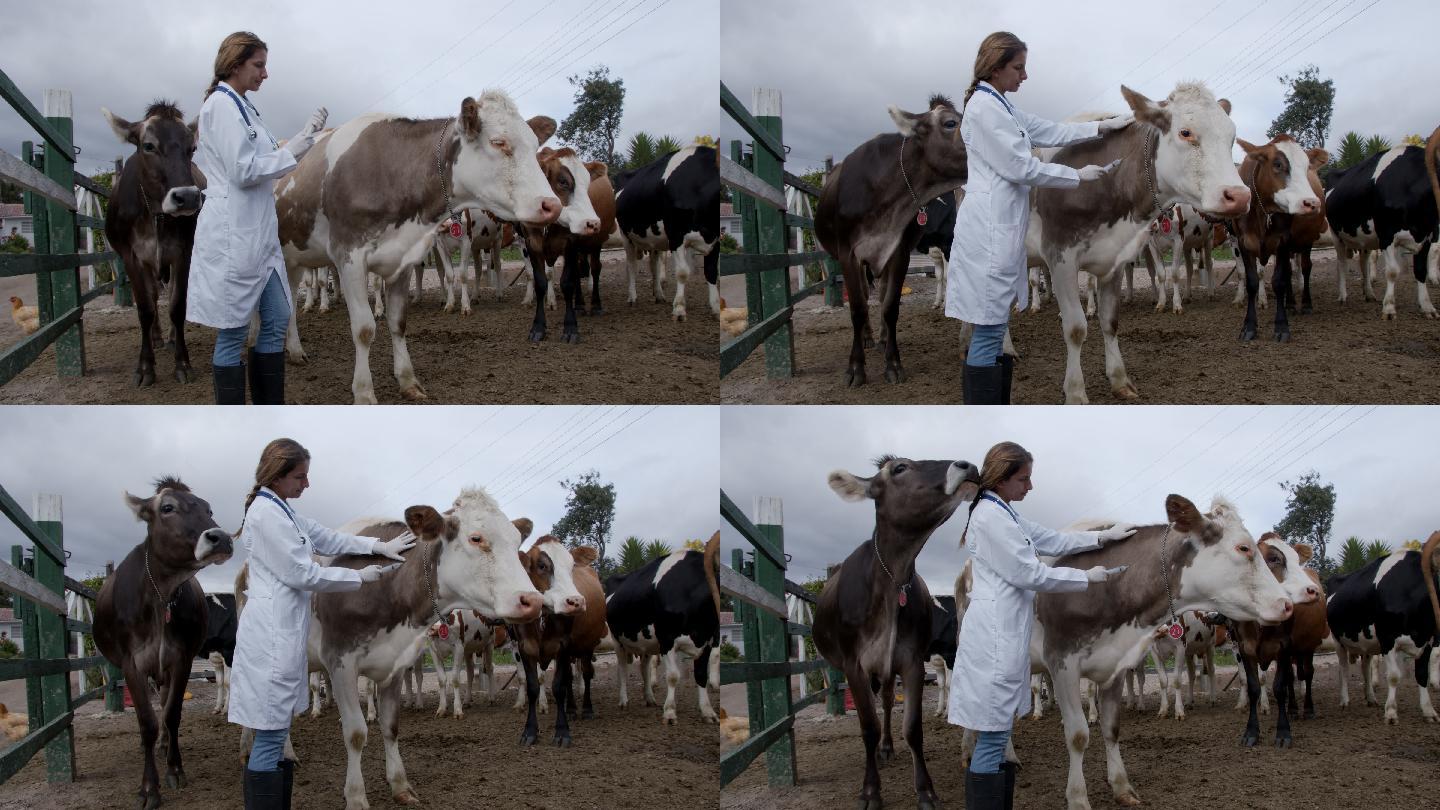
(1235, 199)
(549, 210)
(592, 227)
(530, 604)
(1313, 593)
(1287, 608)
(1309, 206)
(574, 604)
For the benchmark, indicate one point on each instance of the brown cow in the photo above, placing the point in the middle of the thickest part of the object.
(873, 618)
(571, 180)
(1286, 216)
(868, 216)
(150, 222)
(570, 629)
(151, 615)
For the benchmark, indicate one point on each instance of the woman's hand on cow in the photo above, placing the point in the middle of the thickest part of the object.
(395, 547)
(1116, 122)
(1119, 531)
(1093, 172)
(371, 573)
(1100, 573)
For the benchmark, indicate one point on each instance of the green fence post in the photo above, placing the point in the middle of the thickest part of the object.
(123, 296)
(54, 689)
(750, 233)
(774, 644)
(835, 701)
(29, 638)
(39, 211)
(114, 695)
(64, 284)
(774, 284)
(748, 619)
(833, 296)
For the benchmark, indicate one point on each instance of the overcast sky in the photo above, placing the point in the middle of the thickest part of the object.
(418, 59)
(364, 461)
(840, 63)
(1117, 463)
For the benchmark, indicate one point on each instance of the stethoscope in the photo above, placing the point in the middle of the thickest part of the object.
(249, 127)
(1011, 512)
(1008, 109)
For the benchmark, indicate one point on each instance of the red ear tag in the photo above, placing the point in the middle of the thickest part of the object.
(1176, 630)
(920, 219)
(454, 230)
(445, 631)
(1165, 225)
(167, 615)
(903, 600)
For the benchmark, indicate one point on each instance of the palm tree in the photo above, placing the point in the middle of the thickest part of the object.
(656, 549)
(666, 145)
(1376, 549)
(1352, 151)
(642, 150)
(1375, 144)
(1352, 554)
(632, 555)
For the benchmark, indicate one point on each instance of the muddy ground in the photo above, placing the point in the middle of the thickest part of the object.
(1344, 758)
(632, 354)
(620, 759)
(1339, 354)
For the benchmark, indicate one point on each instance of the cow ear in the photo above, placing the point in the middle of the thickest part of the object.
(1304, 551)
(544, 154)
(1249, 148)
(848, 486)
(1318, 157)
(1183, 513)
(198, 177)
(140, 507)
(194, 127)
(904, 122)
(543, 126)
(598, 169)
(470, 118)
(584, 555)
(525, 526)
(1146, 110)
(425, 523)
(1225, 105)
(124, 130)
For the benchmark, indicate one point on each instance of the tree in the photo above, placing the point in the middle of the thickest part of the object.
(632, 555)
(1352, 556)
(666, 145)
(656, 549)
(1308, 105)
(1376, 144)
(1309, 516)
(1376, 549)
(15, 243)
(707, 140)
(594, 124)
(1413, 140)
(641, 151)
(1351, 152)
(694, 545)
(1411, 545)
(589, 514)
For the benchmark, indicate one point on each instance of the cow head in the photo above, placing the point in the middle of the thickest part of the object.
(164, 145)
(1287, 563)
(1283, 174)
(182, 533)
(551, 567)
(479, 568)
(914, 497)
(496, 163)
(1192, 161)
(570, 178)
(941, 150)
(1227, 573)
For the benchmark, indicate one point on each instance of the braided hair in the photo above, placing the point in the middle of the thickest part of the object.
(995, 52)
(1001, 462)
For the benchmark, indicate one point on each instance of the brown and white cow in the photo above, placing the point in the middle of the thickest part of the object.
(468, 636)
(1286, 216)
(151, 615)
(368, 198)
(467, 558)
(873, 618)
(579, 185)
(1189, 234)
(150, 222)
(1200, 638)
(1210, 563)
(481, 242)
(1178, 150)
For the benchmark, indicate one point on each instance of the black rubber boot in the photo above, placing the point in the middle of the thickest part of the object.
(984, 791)
(287, 772)
(1007, 768)
(1007, 372)
(230, 385)
(267, 378)
(264, 790)
(982, 384)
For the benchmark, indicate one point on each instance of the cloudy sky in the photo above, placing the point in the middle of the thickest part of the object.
(417, 59)
(364, 461)
(840, 63)
(1117, 463)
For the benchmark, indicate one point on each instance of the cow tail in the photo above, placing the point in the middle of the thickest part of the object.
(712, 568)
(242, 585)
(1427, 555)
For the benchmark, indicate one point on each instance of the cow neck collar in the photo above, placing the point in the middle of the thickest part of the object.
(440, 170)
(161, 601)
(1165, 574)
(430, 572)
(1259, 207)
(902, 589)
(1148, 161)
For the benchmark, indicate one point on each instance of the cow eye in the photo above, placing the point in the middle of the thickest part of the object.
(899, 468)
(167, 508)
(499, 143)
(1187, 134)
(951, 123)
(150, 147)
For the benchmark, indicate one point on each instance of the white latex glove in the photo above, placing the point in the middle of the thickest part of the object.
(392, 548)
(305, 138)
(1119, 531)
(1093, 172)
(371, 573)
(1117, 122)
(1100, 573)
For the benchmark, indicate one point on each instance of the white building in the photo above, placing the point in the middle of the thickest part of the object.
(13, 218)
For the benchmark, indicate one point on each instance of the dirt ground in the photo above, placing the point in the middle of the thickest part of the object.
(1338, 354)
(620, 759)
(632, 354)
(1343, 758)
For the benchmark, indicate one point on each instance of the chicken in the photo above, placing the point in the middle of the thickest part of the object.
(733, 320)
(733, 730)
(15, 726)
(27, 318)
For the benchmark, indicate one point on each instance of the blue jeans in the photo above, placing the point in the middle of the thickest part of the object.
(989, 751)
(985, 344)
(274, 321)
(266, 750)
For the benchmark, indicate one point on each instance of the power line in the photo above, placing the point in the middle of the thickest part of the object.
(395, 490)
(1236, 22)
(1113, 491)
(543, 52)
(577, 458)
(1308, 25)
(1254, 458)
(1337, 432)
(584, 35)
(1240, 53)
(559, 461)
(1184, 465)
(1249, 484)
(452, 47)
(1313, 43)
(533, 413)
(655, 8)
(576, 427)
(1255, 448)
(1303, 427)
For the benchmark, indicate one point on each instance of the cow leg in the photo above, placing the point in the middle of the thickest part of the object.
(937, 256)
(1284, 295)
(587, 670)
(294, 352)
(913, 679)
(886, 751)
(177, 679)
(1342, 658)
(370, 688)
(1368, 676)
(1037, 697)
(1120, 382)
(859, 324)
(1422, 291)
(448, 276)
(487, 666)
(142, 282)
(570, 291)
(1252, 288)
(1066, 681)
(179, 289)
(540, 283)
(362, 329)
(410, 389)
(317, 700)
(149, 730)
(672, 680)
(657, 276)
(564, 673)
(622, 658)
(1422, 677)
(1162, 674)
(1284, 683)
(942, 684)
(895, 282)
(869, 733)
(218, 664)
(1110, 731)
(1175, 682)
(1392, 681)
(1251, 737)
(707, 670)
(1305, 671)
(680, 260)
(593, 257)
(531, 732)
(1391, 256)
(1306, 305)
(1072, 327)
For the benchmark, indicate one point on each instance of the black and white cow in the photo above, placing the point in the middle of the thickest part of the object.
(219, 646)
(1387, 204)
(672, 205)
(1392, 601)
(936, 235)
(944, 638)
(668, 607)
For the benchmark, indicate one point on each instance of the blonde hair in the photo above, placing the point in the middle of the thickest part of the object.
(1002, 462)
(235, 50)
(995, 52)
(277, 460)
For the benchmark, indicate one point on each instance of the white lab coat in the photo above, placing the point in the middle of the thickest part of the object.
(269, 683)
(237, 237)
(987, 263)
(990, 684)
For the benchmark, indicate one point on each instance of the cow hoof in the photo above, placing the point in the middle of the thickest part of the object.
(562, 741)
(1127, 392)
(406, 796)
(598, 311)
(527, 737)
(1249, 740)
(679, 317)
(1282, 335)
(175, 779)
(184, 374)
(870, 804)
(884, 755)
(588, 714)
(927, 803)
(537, 335)
(1128, 800)
(144, 379)
(854, 379)
(1247, 334)
(668, 720)
(1283, 742)
(571, 337)
(149, 801)
(414, 394)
